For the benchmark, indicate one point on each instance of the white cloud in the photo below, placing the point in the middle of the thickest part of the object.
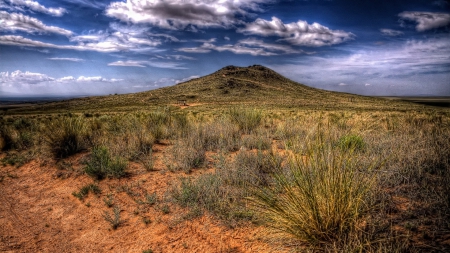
(300, 33)
(17, 78)
(198, 50)
(426, 20)
(106, 46)
(270, 47)
(249, 46)
(19, 22)
(65, 59)
(181, 14)
(416, 64)
(66, 79)
(23, 77)
(390, 32)
(143, 64)
(342, 84)
(96, 79)
(35, 6)
(226, 38)
(128, 64)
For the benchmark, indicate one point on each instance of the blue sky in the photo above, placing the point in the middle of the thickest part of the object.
(82, 47)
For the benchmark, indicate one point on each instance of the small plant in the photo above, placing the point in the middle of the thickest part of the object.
(114, 220)
(165, 209)
(147, 251)
(84, 191)
(109, 200)
(146, 220)
(351, 142)
(102, 165)
(151, 199)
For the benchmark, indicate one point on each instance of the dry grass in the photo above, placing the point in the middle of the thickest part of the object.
(321, 188)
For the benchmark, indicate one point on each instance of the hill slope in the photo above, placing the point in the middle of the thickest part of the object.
(255, 84)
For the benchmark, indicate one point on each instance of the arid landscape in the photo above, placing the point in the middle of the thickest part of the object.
(241, 160)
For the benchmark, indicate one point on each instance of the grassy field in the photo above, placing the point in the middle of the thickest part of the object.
(315, 171)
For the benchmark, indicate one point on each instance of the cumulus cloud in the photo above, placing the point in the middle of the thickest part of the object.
(24, 77)
(181, 14)
(19, 22)
(300, 33)
(66, 79)
(65, 59)
(31, 78)
(35, 6)
(390, 32)
(426, 20)
(249, 46)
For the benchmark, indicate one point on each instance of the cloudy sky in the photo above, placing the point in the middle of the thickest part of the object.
(92, 47)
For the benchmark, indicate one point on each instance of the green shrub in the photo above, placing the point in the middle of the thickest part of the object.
(84, 191)
(351, 142)
(102, 165)
(246, 119)
(321, 198)
(66, 136)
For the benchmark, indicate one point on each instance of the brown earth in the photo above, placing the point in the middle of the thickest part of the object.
(39, 214)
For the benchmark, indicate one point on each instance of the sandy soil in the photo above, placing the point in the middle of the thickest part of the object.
(38, 213)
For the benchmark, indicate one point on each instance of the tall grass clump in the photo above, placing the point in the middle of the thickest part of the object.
(351, 142)
(321, 197)
(246, 119)
(66, 136)
(102, 164)
(188, 153)
(158, 123)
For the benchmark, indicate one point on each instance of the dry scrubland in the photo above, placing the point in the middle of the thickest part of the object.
(227, 177)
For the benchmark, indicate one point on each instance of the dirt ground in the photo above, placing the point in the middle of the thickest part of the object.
(38, 213)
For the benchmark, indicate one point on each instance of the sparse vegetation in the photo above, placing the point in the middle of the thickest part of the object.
(84, 191)
(102, 165)
(114, 219)
(252, 155)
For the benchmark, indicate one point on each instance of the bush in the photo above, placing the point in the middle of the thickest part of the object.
(320, 198)
(188, 153)
(66, 136)
(102, 165)
(246, 119)
(8, 138)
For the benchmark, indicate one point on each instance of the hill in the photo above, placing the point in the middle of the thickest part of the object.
(255, 85)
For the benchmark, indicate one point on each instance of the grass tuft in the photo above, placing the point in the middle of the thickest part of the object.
(102, 165)
(66, 136)
(320, 198)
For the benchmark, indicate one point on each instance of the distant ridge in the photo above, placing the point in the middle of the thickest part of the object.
(256, 85)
